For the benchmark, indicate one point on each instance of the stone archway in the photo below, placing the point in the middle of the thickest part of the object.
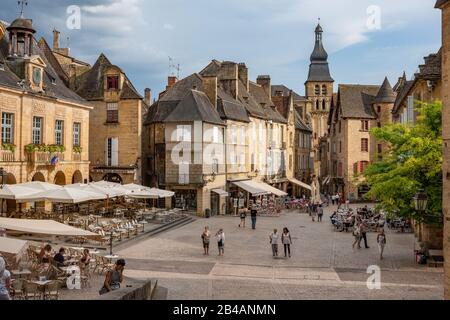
(113, 177)
(10, 179)
(9, 206)
(60, 179)
(38, 176)
(77, 177)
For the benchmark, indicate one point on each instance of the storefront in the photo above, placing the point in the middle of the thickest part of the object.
(218, 201)
(185, 199)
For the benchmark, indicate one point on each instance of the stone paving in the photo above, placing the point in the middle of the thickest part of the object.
(323, 263)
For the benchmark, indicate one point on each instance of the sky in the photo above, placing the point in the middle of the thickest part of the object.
(366, 40)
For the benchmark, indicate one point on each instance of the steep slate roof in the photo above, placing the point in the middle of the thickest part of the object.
(195, 107)
(300, 124)
(91, 84)
(319, 70)
(432, 68)
(355, 101)
(386, 93)
(180, 88)
(403, 94)
(53, 61)
(54, 86)
(266, 103)
(286, 91)
(230, 108)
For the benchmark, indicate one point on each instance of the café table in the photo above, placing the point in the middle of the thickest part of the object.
(19, 274)
(112, 257)
(41, 285)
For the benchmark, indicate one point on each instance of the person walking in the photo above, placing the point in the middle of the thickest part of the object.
(220, 235)
(363, 234)
(357, 235)
(206, 237)
(319, 213)
(313, 212)
(381, 240)
(243, 215)
(287, 241)
(253, 214)
(274, 242)
(5, 280)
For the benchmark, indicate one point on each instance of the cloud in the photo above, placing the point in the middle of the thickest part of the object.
(168, 26)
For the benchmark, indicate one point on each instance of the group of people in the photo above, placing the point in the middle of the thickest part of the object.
(316, 209)
(206, 239)
(286, 241)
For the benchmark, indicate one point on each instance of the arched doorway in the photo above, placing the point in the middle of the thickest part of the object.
(290, 190)
(8, 206)
(113, 177)
(60, 179)
(77, 177)
(38, 176)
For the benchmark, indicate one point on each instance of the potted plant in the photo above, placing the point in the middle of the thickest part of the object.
(77, 149)
(9, 147)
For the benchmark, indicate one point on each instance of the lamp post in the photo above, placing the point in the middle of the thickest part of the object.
(111, 243)
(421, 201)
(2, 184)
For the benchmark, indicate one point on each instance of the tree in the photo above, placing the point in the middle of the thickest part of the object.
(413, 162)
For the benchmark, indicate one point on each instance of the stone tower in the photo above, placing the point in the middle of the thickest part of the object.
(319, 91)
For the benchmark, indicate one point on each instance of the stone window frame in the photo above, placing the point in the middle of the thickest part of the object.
(59, 132)
(36, 131)
(8, 127)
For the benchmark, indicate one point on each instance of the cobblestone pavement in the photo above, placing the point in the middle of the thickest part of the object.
(323, 263)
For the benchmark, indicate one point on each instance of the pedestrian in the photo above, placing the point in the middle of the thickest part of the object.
(287, 241)
(5, 280)
(274, 242)
(319, 213)
(220, 235)
(381, 240)
(357, 235)
(253, 214)
(314, 212)
(243, 215)
(206, 237)
(363, 233)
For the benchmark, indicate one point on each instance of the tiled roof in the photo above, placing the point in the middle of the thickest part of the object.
(230, 108)
(266, 103)
(386, 94)
(300, 124)
(355, 101)
(286, 91)
(402, 95)
(440, 3)
(195, 107)
(432, 68)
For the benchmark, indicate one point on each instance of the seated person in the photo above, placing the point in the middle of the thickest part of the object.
(45, 254)
(85, 259)
(59, 258)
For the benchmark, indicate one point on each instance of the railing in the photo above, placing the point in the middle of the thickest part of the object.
(43, 157)
(7, 156)
(76, 157)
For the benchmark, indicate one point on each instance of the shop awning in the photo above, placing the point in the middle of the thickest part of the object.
(251, 187)
(273, 190)
(220, 192)
(12, 246)
(47, 227)
(300, 184)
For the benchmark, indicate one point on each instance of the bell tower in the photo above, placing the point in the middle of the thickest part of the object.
(319, 92)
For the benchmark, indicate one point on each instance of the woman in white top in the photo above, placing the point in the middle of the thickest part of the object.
(220, 235)
(5, 280)
(287, 241)
(274, 242)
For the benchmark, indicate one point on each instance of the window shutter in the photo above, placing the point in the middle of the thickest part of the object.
(115, 152)
(106, 152)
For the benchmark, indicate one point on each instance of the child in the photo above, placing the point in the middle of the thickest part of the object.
(220, 235)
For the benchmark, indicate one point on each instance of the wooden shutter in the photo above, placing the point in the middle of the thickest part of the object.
(115, 152)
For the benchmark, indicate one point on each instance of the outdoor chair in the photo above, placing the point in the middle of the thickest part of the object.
(85, 277)
(106, 265)
(17, 291)
(31, 291)
(52, 290)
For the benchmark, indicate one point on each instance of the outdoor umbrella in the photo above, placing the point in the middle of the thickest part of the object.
(41, 186)
(16, 192)
(135, 187)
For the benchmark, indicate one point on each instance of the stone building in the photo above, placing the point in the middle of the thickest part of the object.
(253, 137)
(444, 5)
(45, 125)
(319, 92)
(425, 87)
(352, 148)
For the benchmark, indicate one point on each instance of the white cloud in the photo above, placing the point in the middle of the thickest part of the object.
(168, 26)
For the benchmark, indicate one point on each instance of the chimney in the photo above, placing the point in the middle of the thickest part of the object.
(171, 80)
(56, 35)
(228, 77)
(243, 75)
(148, 96)
(264, 82)
(210, 89)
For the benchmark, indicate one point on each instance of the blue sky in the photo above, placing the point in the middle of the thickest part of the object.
(271, 36)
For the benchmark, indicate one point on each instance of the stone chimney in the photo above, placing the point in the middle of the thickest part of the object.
(243, 75)
(56, 36)
(210, 89)
(171, 80)
(148, 96)
(228, 77)
(264, 82)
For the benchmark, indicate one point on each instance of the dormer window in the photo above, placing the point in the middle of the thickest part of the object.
(112, 83)
(278, 93)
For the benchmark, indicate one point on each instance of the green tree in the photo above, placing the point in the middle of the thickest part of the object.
(413, 162)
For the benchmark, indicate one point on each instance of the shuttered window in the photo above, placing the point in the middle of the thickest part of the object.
(112, 152)
(365, 145)
(112, 112)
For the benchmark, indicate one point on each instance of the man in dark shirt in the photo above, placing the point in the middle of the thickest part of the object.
(59, 257)
(253, 214)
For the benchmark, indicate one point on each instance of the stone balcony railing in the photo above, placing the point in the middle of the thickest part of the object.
(39, 157)
(7, 156)
(76, 157)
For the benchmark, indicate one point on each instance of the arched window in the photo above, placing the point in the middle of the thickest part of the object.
(324, 105)
(317, 90)
(324, 90)
(317, 105)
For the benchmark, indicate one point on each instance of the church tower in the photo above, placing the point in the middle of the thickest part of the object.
(319, 92)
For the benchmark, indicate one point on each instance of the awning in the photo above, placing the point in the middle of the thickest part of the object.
(251, 187)
(326, 180)
(11, 246)
(220, 192)
(152, 193)
(300, 184)
(47, 227)
(257, 188)
(65, 195)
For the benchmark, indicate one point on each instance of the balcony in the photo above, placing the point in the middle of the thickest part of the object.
(41, 157)
(76, 157)
(7, 156)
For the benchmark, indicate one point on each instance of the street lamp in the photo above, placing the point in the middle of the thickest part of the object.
(421, 201)
(3, 177)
